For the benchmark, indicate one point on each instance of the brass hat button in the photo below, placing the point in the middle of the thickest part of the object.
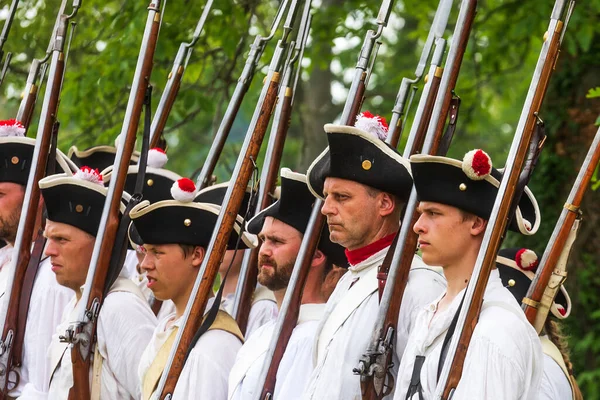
(187, 222)
(366, 165)
(79, 208)
(462, 187)
(150, 182)
(511, 282)
(14, 160)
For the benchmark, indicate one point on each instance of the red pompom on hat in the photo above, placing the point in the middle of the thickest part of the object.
(184, 190)
(526, 259)
(157, 158)
(477, 164)
(88, 174)
(11, 128)
(373, 124)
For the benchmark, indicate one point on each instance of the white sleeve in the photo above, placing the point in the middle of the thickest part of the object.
(555, 384)
(125, 327)
(206, 371)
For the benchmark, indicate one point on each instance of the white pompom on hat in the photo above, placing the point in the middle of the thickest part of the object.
(88, 174)
(373, 124)
(11, 128)
(157, 158)
(477, 164)
(184, 190)
(526, 259)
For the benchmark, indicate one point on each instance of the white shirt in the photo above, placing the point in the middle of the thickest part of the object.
(48, 300)
(296, 364)
(555, 384)
(341, 345)
(504, 359)
(261, 312)
(125, 326)
(207, 368)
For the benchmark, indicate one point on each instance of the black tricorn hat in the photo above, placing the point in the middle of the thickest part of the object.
(76, 200)
(183, 221)
(517, 269)
(294, 208)
(157, 182)
(16, 157)
(216, 193)
(359, 156)
(469, 185)
(99, 157)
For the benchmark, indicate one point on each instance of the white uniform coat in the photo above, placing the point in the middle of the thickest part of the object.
(555, 384)
(205, 373)
(261, 312)
(347, 326)
(125, 326)
(296, 364)
(504, 359)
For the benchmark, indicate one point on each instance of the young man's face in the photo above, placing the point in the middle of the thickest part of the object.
(352, 212)
(277, 255)
(70, 251)
(170, 272)
(11, 201)
(445, 234)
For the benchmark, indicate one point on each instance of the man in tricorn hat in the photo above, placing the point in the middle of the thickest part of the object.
(264, 307)
(125, 321)
(365, 184)
(504, 358)
(517, 268)
(174, 254)
(281, 228)
(48, 298)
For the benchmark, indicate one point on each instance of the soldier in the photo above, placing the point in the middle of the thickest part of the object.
(504, 359)
(125, 322)
(281, 228)
(48, 298)
(517, 268)
(365, 184)
(264, 307)
(174, 254)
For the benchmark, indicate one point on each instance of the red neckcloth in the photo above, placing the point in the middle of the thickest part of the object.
(360, 255)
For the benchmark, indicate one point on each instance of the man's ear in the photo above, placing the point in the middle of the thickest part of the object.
(478, 226)
(198, 256)
(318, 258)
(387, 204)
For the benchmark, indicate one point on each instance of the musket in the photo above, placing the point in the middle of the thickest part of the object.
(374, 366)
(469, 313)
(548, 278)
(4, 36)
(404, 98)
(29, 210)
(290, 308)
(256, 51)
(281, 121)
(37, 69)
(169, 95)
(81, 332)
(244, 168)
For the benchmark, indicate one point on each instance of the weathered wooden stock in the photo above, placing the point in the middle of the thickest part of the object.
(30, 208)
(169, 95)
(82, 332)
(469, 314)
(559, 237)
(256, 51)
(268, 180)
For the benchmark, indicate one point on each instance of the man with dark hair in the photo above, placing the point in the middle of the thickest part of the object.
(365, 184)
(504, 358)
(280, 228)
(174, 254)
(125, 321)
(48, 298)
